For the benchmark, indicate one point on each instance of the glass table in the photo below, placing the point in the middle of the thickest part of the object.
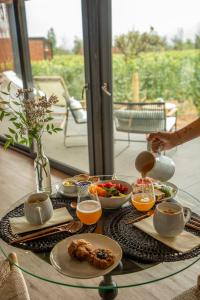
(129, 272)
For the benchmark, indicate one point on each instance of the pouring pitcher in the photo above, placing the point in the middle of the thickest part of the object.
(157, 166)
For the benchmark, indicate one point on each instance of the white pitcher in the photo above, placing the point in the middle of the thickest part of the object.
(156, 166)
(38, 208)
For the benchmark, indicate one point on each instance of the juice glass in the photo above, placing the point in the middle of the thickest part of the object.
(88, 211)
(144, 200)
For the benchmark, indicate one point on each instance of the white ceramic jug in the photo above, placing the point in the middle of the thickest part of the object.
(156, 166)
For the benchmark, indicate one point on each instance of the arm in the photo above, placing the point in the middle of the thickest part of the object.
(168, 140)
(188, 133)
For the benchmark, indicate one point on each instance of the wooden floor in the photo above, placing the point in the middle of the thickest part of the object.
(17, 179)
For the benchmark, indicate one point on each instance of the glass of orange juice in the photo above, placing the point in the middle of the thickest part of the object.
(145, 200)
(88, 211)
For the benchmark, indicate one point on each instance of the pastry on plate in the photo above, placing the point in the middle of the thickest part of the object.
(80, 249)
(101, 258)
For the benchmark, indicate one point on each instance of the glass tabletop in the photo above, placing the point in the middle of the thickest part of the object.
(38, 264)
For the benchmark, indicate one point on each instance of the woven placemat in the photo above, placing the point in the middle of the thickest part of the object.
(139, 245)
(46, 243)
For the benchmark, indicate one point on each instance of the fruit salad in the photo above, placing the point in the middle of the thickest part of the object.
(108, 189)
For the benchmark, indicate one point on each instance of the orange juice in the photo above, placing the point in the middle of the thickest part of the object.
(143, 202)
(89, 211)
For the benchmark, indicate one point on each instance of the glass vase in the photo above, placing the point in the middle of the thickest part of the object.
(42, 170)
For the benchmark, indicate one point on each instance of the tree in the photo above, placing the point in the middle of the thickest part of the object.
(51, 36)
(78, 45)
(197, 41)
(134, 42)
(177, 40)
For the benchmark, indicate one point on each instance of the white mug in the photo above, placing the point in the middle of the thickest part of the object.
(159, 167)
(38, 208)
(170, 218)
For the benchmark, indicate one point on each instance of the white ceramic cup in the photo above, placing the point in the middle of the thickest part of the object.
(38, 208)
(159, 167)
(170, 218)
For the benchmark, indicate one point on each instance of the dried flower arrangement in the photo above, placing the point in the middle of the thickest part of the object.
(29, 114)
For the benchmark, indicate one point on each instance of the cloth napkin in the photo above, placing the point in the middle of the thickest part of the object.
(183, 242)
(20, 224)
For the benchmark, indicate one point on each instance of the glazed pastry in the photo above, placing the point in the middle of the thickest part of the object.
(101, 258)
(80, 249)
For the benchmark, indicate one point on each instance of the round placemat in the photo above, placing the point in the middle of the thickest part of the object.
(139, 245)
(45, 243)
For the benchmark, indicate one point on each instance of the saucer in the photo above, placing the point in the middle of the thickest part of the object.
(60, 191)
(62, 261)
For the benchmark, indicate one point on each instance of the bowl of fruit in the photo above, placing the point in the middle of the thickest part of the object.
(111, 193)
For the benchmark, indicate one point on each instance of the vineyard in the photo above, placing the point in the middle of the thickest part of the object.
(171, 75)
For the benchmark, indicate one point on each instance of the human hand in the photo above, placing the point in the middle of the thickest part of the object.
(162, 141)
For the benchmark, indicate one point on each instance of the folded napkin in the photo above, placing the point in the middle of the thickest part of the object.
(183, 242)
(20, 224)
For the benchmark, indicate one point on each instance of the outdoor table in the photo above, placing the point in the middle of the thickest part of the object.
(129, 273)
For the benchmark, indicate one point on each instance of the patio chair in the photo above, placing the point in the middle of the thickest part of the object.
(143, 118)
(12, 283)
(56, 85)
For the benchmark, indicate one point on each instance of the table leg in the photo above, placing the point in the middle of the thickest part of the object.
(109, 293)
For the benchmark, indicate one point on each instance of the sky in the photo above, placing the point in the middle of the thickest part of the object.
(166, 16)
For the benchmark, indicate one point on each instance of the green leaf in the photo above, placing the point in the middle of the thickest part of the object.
(16, 137)
(17, 125)
(11, 130)
(58, 129)
(2, 115)
(16, 103)
(9, 86)
(48, 119)
(8, 136)
(6, 114)
(23, 141)
(47, 127)
(7, 94)
(13, 119)
(7, 144)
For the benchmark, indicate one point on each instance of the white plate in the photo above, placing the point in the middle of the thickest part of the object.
(173, 186)
(71, 267)
(167, 184)
(60, 190)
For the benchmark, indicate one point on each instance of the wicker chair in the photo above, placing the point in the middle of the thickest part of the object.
(143, 117)
(12, 283)
(191, 294)
(56, 85)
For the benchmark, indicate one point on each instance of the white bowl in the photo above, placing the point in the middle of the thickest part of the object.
(71, 188)
(115, 201)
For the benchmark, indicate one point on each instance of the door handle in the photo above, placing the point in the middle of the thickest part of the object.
(105, 89)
